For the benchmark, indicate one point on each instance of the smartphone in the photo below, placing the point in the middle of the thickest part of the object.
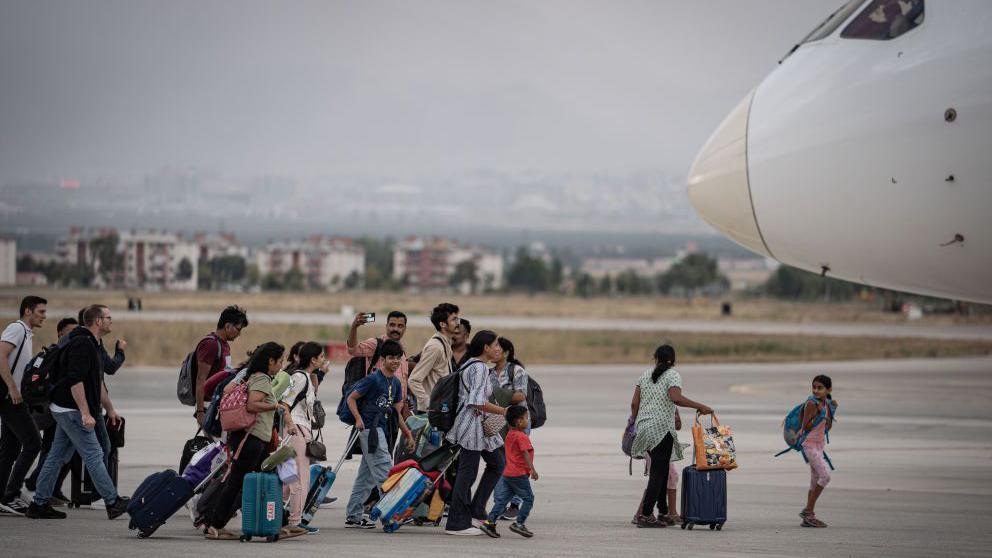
(369, 317)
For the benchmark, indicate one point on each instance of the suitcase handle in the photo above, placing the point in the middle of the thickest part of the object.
(352, 438)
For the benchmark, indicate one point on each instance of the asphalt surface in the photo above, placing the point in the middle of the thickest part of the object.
(911, 446)
(725, 325)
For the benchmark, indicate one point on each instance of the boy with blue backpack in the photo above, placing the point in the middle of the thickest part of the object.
(366, 406)
(807, 429)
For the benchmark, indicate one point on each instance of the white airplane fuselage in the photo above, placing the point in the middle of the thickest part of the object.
(870, 160)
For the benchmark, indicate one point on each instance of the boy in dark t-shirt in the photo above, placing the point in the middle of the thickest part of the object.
(517, 473)
(370, 400)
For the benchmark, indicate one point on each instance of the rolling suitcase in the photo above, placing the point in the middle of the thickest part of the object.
(407, 492)
(704, 497)
(321, 480)
(155, 500)
(261, 506)
(81, 489)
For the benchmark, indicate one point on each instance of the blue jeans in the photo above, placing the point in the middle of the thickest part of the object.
(71, 436)
(372, 472)
(513, 487)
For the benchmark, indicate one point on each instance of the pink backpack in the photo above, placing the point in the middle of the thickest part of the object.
(234, 415)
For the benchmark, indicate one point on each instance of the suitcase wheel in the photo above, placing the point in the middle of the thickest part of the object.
(272, 538)
(683, 525)
(712, 526)
(719, 526)
(691, 525)
(143, 535)
(245, 538)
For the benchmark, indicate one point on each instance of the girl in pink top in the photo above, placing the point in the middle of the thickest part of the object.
(822, 406)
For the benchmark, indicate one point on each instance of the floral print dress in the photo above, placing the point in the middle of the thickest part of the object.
(656, 414)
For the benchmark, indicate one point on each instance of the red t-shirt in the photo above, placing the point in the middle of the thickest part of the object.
(516, 444)
(206, 351)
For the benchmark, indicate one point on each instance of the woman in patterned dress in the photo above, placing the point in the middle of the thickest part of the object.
(468, 512)
(656, 395)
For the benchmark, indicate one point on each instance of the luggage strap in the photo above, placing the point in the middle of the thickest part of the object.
(230, 459)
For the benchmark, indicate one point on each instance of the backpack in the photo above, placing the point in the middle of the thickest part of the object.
(535, 400)
(627, 442)
(356, 369)
(444, 405)
(234, 414)
(792, 428)
(41, 373)
(186, 386)
(211, 419)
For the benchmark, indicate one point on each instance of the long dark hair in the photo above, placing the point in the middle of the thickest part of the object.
(507, 347)
(307, 353)
(664, 358)
(479, 342)
(261, 356)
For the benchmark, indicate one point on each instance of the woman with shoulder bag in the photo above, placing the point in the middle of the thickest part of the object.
(477, 430)
(251, 443)
(298, 412)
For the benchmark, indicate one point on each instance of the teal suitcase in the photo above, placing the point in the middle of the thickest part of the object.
(261, 506)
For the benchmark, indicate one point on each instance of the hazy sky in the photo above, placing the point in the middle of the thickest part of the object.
(364, 87)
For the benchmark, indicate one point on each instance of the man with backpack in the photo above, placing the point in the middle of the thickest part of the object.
(19, 439)
(213, 354)
(77, 393)
(435, 359)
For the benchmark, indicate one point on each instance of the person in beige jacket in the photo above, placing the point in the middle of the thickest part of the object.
(435, 359)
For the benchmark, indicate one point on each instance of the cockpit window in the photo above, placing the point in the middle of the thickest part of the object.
(882, 20)
(835, 20)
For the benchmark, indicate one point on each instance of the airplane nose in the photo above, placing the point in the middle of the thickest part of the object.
(718, 181)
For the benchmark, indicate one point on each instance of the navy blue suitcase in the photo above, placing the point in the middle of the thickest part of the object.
(704, 497)
(156, 499)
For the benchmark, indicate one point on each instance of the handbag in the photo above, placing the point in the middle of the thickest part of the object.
(115, 433)
(492, 424)
(713, 446)
(319, 416)
(316, 450)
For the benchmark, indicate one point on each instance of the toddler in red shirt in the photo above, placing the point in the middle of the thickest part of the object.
(517, 473)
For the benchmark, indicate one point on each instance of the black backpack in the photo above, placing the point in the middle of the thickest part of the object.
(444, 405)
(535, 401)
(188, 370)
(42, 372)
(356, 370)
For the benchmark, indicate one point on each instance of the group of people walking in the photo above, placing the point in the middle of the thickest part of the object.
(491, 426)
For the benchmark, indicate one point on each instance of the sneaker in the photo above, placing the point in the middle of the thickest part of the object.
(98, 504)
(467, 532)
(666, 519)
(510, 513)
(18, 506)
(521, 530)
(310, 530)
(43, 512)
(6, 510)
(649, 522)
(489, 528)
(118, 508)
(365, 523)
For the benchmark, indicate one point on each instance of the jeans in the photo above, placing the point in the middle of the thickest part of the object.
(372, 472)
(47, 437)
(71, 437)
(513, 487)
(19, 445)
(464, 506)
(253, 453)
(657, 490)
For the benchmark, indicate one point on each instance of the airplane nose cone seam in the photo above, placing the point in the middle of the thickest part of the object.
(719, 184)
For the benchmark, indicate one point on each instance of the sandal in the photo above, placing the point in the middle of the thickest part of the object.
(291, 531)
(810, 520)
(215, 534)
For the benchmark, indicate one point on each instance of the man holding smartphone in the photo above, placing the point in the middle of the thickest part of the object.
(395, 329)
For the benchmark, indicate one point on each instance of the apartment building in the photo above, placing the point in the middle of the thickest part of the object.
(424, 264)
(159, 261)
(327, 262)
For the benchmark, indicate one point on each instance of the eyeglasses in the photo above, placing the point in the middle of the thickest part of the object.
(110, 318)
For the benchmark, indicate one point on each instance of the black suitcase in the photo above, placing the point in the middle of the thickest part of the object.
(81, 489)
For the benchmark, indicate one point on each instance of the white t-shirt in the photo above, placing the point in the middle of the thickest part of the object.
(302, 413)
(17, 334)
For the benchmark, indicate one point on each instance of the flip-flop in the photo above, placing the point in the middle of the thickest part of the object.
(288, 533)
(215, 534)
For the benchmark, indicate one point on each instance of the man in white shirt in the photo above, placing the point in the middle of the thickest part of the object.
(19, 439)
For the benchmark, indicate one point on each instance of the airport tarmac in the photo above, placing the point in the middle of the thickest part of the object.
(911, 445)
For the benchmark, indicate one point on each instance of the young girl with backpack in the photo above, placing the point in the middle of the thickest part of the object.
(818, 418)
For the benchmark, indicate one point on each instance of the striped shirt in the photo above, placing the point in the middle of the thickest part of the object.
(475, 388)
